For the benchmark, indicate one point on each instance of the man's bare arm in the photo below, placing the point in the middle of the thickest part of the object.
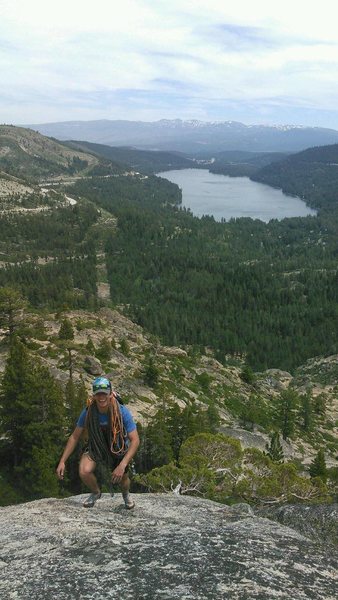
(134, 439)
(132, 449)
(69, 449)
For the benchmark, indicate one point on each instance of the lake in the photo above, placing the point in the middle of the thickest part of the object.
(226, 197)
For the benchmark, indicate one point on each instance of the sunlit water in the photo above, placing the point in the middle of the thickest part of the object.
(226, 197)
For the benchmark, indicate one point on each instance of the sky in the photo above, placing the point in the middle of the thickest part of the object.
(255, 62)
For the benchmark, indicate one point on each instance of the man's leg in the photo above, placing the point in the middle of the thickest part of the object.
(86, 472)
(125, 486)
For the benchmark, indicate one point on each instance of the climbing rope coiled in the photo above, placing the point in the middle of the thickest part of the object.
(104, 446)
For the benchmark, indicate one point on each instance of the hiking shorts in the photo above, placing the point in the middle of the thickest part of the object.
(114, 460)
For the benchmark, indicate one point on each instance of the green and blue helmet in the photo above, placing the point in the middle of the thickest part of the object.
(101, 385)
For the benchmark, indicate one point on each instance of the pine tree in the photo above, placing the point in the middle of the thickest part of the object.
(318, 466)
(90, 346)
(11, 306)
(288, 401)
(151, 373)
(306, 412)
(124, 347)
(204, 380)
(17, 379)
(155, 448)
(320, 404)
(66, 331)
(32, 418)
(75, 401)
(158, 443)
(253, 412)
(274, 449)
(247, 375)
(104, 350)
(212, 419)
(181, 424)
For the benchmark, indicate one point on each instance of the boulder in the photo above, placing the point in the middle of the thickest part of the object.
(173, 351)
(167, 547)
(92, 365)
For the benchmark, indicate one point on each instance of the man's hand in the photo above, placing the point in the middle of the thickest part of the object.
(60, 471)
(118, 473)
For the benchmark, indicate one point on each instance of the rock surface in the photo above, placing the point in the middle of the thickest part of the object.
(318, 522)
(167, 547)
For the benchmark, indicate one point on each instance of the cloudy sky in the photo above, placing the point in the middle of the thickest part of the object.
(255, 62)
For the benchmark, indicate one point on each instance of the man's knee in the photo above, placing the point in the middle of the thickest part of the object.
(87, 466)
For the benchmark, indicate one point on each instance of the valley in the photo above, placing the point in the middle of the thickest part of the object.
(220, 322)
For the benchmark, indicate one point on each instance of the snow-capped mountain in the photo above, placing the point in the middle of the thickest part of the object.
(192, 136)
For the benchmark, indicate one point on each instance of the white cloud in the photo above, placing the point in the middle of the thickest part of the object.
(187, 58)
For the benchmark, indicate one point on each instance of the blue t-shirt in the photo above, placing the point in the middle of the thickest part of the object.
(127, 418)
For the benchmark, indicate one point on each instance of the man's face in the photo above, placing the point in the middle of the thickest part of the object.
(102, 400)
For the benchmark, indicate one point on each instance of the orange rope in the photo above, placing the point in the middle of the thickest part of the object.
(118, 433)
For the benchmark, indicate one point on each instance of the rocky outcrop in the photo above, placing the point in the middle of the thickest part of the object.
(275, 379)
(256, 439)
(318, 522)
(173, 351)
(248, 439)
(167, 547)
(92, 365)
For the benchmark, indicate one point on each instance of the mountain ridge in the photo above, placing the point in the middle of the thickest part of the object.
(191, 136)
(26, 153)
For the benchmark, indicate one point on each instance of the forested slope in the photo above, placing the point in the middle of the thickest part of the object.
(144, 161)
(28, 154)
(241, 164)
(311, 174)
(268, 291)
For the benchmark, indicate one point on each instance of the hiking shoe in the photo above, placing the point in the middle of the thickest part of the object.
(128, 502)
(89, 503)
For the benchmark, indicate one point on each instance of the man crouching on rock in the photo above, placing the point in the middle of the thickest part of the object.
(112, 440)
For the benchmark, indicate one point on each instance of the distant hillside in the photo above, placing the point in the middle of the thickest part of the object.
(240, 163)
(192, 136)
(27, 154)
(144, 161)
(311, 174)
